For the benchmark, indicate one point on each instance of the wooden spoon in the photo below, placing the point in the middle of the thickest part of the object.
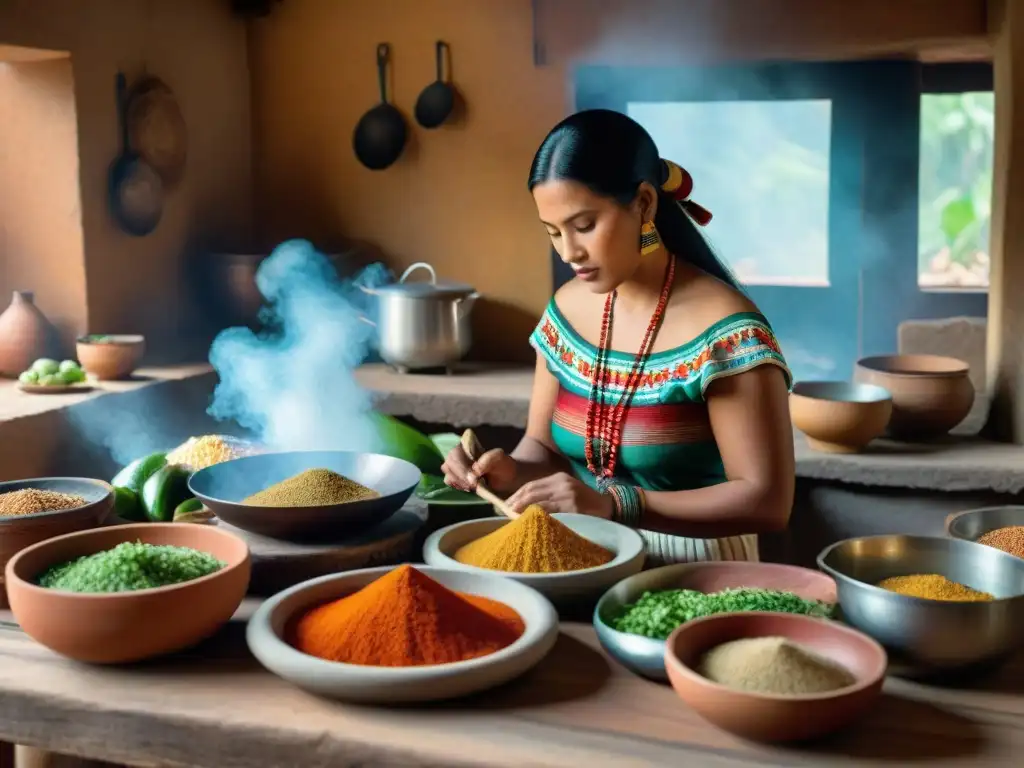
(474, 450)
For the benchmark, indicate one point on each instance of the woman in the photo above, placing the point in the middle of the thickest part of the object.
(660, 398)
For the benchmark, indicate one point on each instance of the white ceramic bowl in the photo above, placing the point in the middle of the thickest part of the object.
(562, 588)
(396, 685)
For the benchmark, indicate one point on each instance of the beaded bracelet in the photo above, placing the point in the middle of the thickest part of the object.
(630, 503)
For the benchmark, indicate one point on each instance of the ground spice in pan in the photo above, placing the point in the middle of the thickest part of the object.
(775, 665)
(534, 542)
(932, 586)
(312, 488)
(406, 619)
(1009, 539)
(30, 501)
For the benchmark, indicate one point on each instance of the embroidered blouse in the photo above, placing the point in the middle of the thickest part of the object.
(667, 442)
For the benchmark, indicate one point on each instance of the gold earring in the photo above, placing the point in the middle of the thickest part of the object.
(650, 240)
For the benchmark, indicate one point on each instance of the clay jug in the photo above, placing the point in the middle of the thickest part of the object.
(24, 334)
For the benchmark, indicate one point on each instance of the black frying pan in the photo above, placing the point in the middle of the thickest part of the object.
(437, 101)
(136, 192)
(380, 134)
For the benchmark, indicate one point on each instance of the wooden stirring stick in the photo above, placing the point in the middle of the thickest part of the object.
(474, 450)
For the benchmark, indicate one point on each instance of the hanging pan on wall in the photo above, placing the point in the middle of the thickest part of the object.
(380, 134)
(156, 128)
(135, 189)
(436, 103)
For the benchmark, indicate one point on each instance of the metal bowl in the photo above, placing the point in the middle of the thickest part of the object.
(222, 488)
(646, 655)
(975, 523)
(930, 636)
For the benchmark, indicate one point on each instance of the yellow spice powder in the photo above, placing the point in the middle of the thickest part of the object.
(932, 586)
(534, 542)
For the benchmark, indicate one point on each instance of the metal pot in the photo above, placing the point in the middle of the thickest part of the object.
(423, 325)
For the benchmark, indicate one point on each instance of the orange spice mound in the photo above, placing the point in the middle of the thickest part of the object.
(406, 619)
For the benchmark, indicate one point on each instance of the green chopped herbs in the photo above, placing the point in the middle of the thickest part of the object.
(657, 614)
(130, 566)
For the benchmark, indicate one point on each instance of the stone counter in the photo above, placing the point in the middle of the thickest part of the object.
(94, 433)
(501, 397)
(167, 404)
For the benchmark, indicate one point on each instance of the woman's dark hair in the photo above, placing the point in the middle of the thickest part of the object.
(611, 154)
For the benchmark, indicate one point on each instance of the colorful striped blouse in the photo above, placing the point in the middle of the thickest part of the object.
(667, 441)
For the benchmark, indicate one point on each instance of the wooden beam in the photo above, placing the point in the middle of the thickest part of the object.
(670, 32)
(1005, 336)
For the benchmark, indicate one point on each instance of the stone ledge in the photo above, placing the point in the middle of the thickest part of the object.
(15, 404)
(501, 397)
(953, 464)
(498, 396)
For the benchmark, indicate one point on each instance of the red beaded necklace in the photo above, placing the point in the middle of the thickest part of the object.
(604, 423)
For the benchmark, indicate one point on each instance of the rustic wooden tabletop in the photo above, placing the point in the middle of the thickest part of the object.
(216, 707)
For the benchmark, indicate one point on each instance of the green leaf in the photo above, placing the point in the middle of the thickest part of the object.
(956, 217)
(432, 488)
(403, 442)
(445, 441)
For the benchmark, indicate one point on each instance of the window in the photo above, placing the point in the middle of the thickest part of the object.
(764, 169)
(848, 197)
(955, 190)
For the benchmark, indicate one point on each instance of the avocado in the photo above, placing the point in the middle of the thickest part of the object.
(165, 490)
(188, 506)
(127, 505)
(135, 475)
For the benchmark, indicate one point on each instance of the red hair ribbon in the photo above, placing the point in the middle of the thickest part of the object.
(679, 185)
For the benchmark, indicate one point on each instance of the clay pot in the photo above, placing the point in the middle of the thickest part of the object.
(115, 357)
(837, 416)
(930, 394)
(24, 334)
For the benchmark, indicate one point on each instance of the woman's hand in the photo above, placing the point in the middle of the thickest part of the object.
(496, 468)
(563, 493)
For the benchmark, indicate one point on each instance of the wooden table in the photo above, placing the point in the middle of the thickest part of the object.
(216, 708)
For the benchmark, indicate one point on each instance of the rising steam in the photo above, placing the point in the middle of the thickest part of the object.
(292, 384)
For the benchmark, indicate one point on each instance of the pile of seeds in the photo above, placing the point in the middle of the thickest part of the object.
(657, 614)
(30, 501)
(312, 488)
(130, 566)
(1009, 539)
(933, 586)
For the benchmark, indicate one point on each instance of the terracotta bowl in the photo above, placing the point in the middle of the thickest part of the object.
(16, 533)
(930, 394)
(768, 717)
(837, 416)
(127, 626)
(646, 655)
(116, 357)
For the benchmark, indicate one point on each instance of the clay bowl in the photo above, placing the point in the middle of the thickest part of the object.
(114, 357)
(646, 655)
(223, 487)
(837, 416)
(571, 588)
(768, 717)
(972, 524)
(930, 638)
(16, 533)
(930, 394)
(401, 685)
(127, 626)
